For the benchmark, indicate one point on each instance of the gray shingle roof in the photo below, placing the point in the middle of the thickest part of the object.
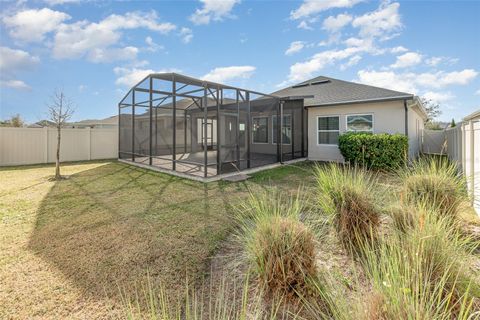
(329, 91)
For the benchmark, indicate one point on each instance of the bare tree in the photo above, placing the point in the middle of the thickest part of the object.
(60, 110)
(432, 108)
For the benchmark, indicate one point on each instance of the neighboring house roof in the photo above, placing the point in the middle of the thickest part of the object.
(475, 115)
(329, 91)
(42, 123)
(110, 121)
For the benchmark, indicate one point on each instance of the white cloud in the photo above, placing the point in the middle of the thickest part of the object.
(399, 49)
(215, 10)
(151, 45)
(301, 71)
(408, 59)
(442, 79)
(477, 93)
(15, 84)
(334, 24)
(351, 62)
(31, 25)
(438, 97)
(381, 23)
(60, 2)
(98, 55)
(388, 80)
(13, 60)
(415, 82)
(131, 76)
(312, 7)
(84, 38)
(295, 46)
(186, 34)
(225, 74)
(304, 25)
(435, 61)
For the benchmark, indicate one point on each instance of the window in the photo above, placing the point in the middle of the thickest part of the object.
(286, 130)
(328, 130)
(360, 123)
(260, 129)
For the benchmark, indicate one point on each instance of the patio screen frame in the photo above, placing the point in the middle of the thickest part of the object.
(177, 96)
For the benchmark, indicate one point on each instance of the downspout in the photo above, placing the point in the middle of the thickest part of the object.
(406, 127)
(406, 116)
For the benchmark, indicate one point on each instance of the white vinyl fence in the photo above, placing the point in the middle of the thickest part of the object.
(20, 146)
(462, 145)
(434, 142)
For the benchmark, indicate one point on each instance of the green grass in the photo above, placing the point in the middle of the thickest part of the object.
(115, 240)
(67, 247)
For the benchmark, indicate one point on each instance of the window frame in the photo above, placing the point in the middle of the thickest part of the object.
(253, 140)
(273, 133)
(318, 130)
(360, 114)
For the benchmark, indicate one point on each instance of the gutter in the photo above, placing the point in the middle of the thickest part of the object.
(409, 97)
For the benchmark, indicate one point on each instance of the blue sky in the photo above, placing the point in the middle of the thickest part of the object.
(95, 50)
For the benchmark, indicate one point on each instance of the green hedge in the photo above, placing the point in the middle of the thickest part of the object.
(377, 151)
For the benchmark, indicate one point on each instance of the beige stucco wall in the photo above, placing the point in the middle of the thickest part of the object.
(415, 131)
(388, 117)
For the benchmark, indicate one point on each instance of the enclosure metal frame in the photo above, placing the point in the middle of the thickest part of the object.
(216, 92)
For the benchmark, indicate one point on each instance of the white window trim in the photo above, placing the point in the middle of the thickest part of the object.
(268, 138)
(360, 114)
(318, 130)
(285, 115)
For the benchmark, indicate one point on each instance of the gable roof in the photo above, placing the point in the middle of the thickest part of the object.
(329, 91)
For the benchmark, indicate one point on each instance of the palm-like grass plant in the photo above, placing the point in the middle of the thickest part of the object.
(436, 182)
(421, 272)
(279, 246)
(349, 196)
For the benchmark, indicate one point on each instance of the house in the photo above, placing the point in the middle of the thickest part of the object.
(107, 123)
(204, 130)
(339, 106)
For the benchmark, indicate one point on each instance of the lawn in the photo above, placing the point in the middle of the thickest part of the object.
(68, 248)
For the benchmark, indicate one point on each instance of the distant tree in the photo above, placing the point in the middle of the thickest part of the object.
(432, 108)
(14, 121)
(17, 121)
(433, 125)
(453, 124)
(60, 110)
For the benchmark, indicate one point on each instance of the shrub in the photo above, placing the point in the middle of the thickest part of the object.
(348, 194)
(280, 248)
(377, 151)
(435, 182)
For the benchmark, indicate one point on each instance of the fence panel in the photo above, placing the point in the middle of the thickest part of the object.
(433, 141)
(20, 146)
(463, 147)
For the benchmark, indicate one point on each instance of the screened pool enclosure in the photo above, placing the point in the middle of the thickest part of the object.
(204, 129)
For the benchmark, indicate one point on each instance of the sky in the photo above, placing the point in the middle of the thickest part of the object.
(96, 50)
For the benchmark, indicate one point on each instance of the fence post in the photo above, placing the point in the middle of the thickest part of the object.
(472, 161)
(45, 144)
(89, 143)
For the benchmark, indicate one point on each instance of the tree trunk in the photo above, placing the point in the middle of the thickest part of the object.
(57, 160)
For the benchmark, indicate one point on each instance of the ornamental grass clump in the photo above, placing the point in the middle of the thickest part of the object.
(436, 182)
(422, 272)
(348, 196)
(279, 247)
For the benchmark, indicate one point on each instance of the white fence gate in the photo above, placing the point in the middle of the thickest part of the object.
(19, 146)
